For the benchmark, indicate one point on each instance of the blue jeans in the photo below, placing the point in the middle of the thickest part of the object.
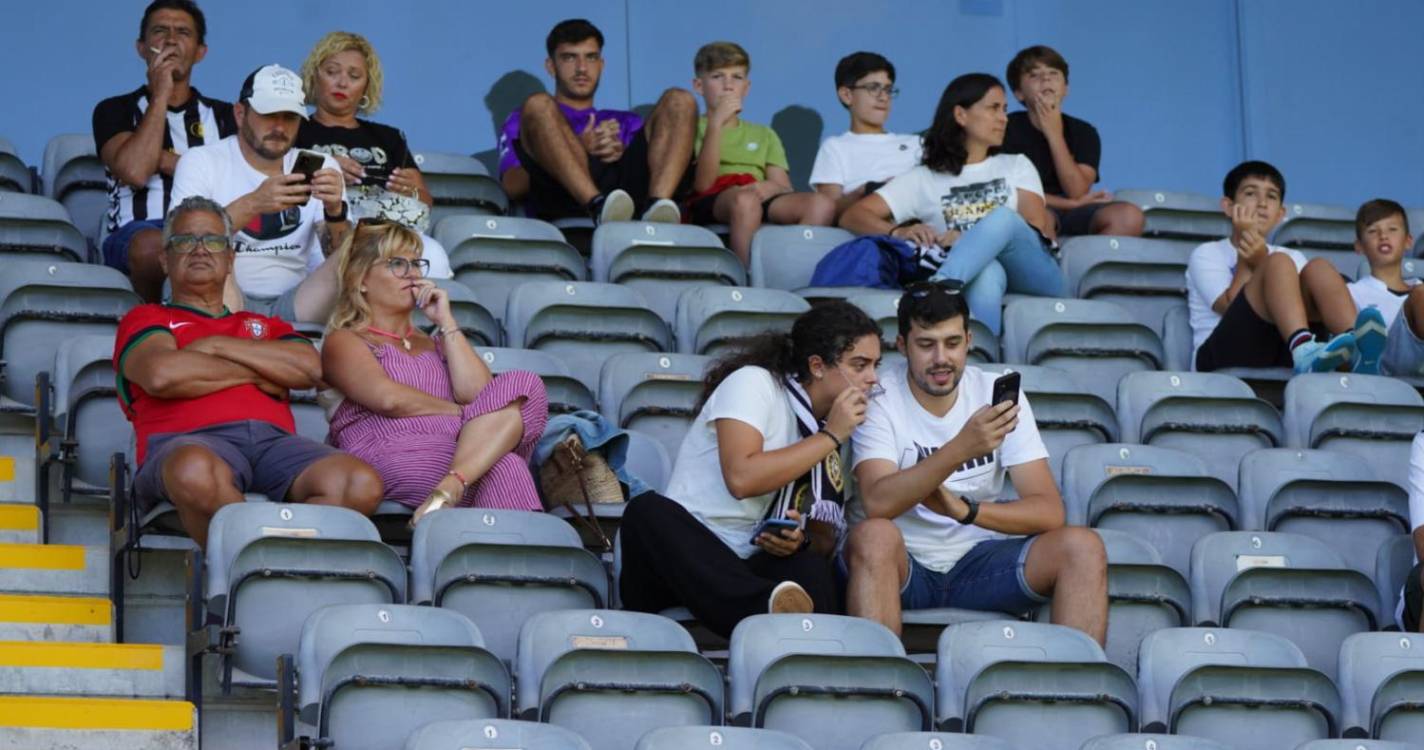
(1001, 253)
(989, 578)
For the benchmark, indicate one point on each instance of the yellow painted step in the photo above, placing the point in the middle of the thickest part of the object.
(19, 518)
(42, 556)
(55, 610)
(81, 655)
(95, 713)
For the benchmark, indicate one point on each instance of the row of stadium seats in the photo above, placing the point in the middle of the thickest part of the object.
(516, 589)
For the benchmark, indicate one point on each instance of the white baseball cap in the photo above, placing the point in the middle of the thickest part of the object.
(273, 88)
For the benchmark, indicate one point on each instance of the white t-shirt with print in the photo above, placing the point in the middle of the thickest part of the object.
(853, 159)
(1209, 272)
(1371, 292)
(959, 201)
(750, 395)
(897, 429)
(274, 251)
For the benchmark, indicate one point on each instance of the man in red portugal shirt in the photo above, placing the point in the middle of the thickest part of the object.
(207, 391)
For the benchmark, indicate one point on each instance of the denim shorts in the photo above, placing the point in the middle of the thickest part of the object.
(989, 578)
(116, 245)
(1403, 351)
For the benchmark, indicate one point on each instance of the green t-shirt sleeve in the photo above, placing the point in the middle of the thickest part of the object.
(775, 152)
(701, 134)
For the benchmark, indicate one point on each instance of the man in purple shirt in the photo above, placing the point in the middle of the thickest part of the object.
(565, 157)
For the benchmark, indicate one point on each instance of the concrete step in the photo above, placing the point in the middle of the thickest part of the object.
(25, 617)
(91, 669)
(53, 569)
(89, 723)
(19, 524)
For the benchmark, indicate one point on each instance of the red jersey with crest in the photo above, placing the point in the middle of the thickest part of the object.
(152, 416)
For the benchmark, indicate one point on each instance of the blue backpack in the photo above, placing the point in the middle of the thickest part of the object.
(878, 261)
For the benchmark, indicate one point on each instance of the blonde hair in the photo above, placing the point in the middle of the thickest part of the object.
(715, 55)
(343, 41)
(364, 247)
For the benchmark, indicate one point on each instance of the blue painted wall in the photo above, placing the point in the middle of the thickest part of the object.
(1332, 92)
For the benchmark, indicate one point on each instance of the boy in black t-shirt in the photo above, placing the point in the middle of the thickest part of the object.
(1064, 149)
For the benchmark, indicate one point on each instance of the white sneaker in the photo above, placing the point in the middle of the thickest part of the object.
(617, 206)
(663, 211)
(789, 598)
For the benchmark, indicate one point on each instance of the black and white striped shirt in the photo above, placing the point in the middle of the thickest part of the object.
(198, 122)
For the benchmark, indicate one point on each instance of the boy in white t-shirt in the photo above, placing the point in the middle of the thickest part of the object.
(1251, 304)
(1389, 329)
(857, 162)
(930, 460)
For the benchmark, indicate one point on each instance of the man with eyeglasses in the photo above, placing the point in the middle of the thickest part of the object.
(931, 526)
(289, 222)
(207, 391)
(1064, 149)
(857, 162)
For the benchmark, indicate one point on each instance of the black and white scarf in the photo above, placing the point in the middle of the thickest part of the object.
(819, 493)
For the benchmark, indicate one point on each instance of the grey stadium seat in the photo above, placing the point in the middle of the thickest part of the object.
(566, 392)
(883, 306)
(1248, 690)
(583, 323)
(367, 676)
(1392, 567)
(1316, 225)
(1033, 684)
(1330, 496)
(80, 422)
(1371, 416)
(493, 734)
(1146, 276)
(36, 225)
(1177, 340)
(785, 257)
(14, 175)
(459, 184)
(1288, 584)
(74, 176)
(1152, 742)
(1345, 261)
(1179, 215)
(44, 301)
(649, 460)
(493, 254)
(831, 680)
(663, 260)
(613, 676)
(709, 319)
(270, 565)
(1412, 268)
(1213, 416)
(500, 567)
(726, 738)
(474, 318)
(1356, 744)
(1096, 340)
(1068, 414)
(1161, 495)
(1382, 682)
(655, 393)
(935, 741)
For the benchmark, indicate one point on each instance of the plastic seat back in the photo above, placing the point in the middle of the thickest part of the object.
(74, 176)
(1374, 667)
(40, 226)
(14, 175)
(493, 254)
(654, 393)
(1144, 595)
(1371, 416)
(474, 318)
(1172, 215)
(1145, 276)
(663, 260)
(785, 257)
(725, 738)
(1152, 742)
(583, 323)
(493, 734)
(1316, 225)
(566, 392)
(1093, 338)
(935, 741)
(711, 319)
(86, 406)
(459, 184)
(1067, 413)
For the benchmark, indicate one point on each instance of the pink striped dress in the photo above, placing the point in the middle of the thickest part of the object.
(412, 454)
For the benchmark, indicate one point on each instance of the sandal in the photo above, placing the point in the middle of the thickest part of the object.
(438, 499)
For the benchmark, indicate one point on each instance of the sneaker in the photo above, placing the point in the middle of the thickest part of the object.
(789, 598)
(614, 206)
(1371, 333)
(1314, 356)
(663, 211)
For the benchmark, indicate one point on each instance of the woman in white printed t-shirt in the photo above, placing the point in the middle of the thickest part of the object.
(765, 446)
(985, 209)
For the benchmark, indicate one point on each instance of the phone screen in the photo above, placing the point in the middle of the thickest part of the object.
(307, 164)
(773, 526)
(1006, 388)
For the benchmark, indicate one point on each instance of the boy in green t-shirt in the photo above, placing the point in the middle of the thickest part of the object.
(741, 178)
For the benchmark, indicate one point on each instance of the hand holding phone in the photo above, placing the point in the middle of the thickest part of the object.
(308, 163)
(1006, 388)
(778, 526)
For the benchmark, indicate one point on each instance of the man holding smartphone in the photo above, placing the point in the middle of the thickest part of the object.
(288, 209)
(930, 459)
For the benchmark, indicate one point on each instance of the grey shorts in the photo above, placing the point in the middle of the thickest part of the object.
(284, 306)
(1403, 351)
(262, 457)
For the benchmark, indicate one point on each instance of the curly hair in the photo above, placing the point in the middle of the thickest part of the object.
(945, 150)
(364, 247)
(342, 41)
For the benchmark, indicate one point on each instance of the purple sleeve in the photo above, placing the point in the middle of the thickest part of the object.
(629, 123)
(507, 135)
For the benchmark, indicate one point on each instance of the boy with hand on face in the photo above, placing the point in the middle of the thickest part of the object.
(741, 177)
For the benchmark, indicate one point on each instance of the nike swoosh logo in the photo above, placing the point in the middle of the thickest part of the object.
(176, 326)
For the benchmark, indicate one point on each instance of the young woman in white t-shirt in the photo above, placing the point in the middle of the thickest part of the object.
(765, 445)
(987, 209)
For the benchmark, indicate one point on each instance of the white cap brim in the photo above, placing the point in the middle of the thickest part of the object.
(267, 104)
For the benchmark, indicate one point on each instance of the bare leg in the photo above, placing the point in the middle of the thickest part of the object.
(145, 268)
(1071, 564)
(1121, 219)
(739, 208)
(546, 136)
(1327, 298)
(670, 130)
(342, 480)
(879, 567)
(1274, 293)
(483, 441)
(198, 483)
(802, 208)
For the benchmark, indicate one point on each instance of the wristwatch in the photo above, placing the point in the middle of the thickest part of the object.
(969, 517)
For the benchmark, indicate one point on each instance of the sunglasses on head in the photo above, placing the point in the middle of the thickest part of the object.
(923, 289)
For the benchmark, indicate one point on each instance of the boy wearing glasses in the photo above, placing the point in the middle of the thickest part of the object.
(860, 160)
(931, 528)
(1064, 149)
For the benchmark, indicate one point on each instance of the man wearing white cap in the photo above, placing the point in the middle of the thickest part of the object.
(287, 223)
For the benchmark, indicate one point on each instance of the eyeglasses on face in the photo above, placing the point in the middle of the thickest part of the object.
(401, 267)
(877, 89)
(182, 244)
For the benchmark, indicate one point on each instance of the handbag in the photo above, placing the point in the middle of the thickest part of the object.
(573, 476)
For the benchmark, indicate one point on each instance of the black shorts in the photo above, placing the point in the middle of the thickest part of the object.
(1413, 600)
(263, 458)
(1242, 339)
(548, 200)
(1077, 221)
(700, 211)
